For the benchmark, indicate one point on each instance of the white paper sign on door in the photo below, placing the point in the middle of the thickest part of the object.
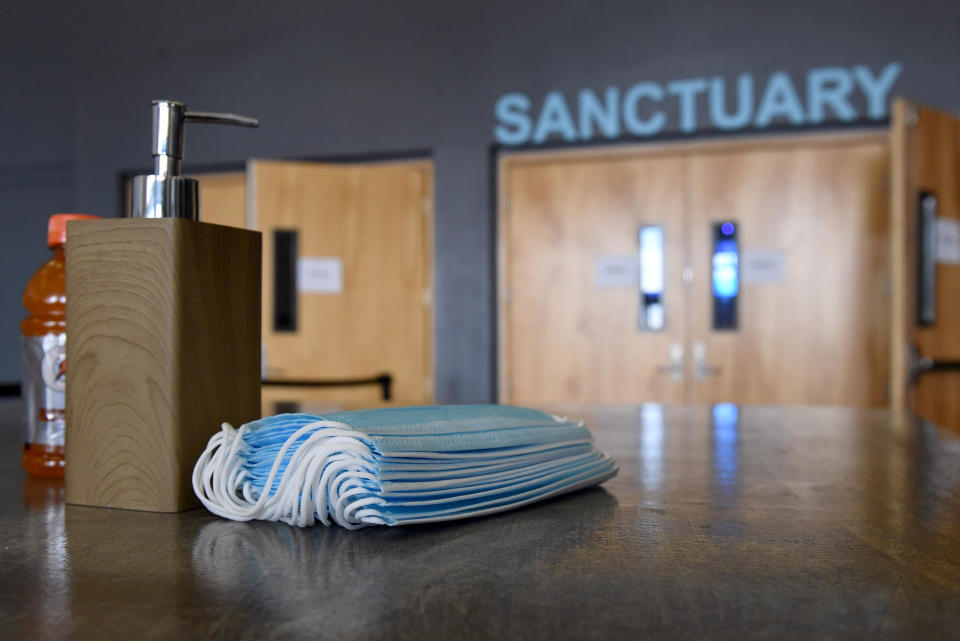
(615, 271)
(948, 241)
(319, 275)
(762, 266)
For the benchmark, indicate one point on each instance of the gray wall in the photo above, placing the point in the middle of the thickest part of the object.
(340, 78)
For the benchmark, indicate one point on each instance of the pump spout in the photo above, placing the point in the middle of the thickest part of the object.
(165, 193)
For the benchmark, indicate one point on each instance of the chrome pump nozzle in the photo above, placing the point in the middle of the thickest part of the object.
(165, 193)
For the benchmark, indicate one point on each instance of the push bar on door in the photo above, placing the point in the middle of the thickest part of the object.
(923, 364)
(384, 380)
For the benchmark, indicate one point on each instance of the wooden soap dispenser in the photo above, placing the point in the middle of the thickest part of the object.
(163, 335)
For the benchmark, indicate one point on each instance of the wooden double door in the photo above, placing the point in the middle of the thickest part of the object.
(809, 218)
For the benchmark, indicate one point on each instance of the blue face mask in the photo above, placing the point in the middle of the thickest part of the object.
(395, 466)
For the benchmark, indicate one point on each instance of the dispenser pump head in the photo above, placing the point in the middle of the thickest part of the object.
(165, 193)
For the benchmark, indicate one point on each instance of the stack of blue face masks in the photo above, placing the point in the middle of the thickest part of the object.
(395, 466)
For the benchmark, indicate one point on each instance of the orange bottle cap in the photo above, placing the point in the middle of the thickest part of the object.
(57, 227)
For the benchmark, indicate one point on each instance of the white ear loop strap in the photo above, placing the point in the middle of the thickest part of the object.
(329, 475)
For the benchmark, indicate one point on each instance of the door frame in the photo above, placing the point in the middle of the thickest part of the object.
(507, 160)
(901, 254)
(910, 172)
(124, 176)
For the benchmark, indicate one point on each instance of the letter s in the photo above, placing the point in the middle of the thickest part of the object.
(512, 113)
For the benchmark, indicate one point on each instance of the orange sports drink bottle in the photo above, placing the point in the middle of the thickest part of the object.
(43, 347)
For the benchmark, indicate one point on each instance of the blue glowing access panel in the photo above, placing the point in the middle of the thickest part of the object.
(726, 275)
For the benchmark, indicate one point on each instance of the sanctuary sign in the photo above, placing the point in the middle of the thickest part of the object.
(646, 109)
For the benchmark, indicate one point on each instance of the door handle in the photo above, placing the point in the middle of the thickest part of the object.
(701, 370)
(918, 365)
(675, 369)
(927, 272)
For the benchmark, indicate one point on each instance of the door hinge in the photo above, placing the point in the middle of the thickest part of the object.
(913, 116)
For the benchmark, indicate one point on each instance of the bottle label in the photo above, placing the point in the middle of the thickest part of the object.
(44, 382)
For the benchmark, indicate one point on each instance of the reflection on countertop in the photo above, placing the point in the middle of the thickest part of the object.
(724, 522)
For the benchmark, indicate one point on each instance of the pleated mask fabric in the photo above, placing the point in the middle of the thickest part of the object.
(395, 466)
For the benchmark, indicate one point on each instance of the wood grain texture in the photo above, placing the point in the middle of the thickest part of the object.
(929, 155)
(223, 198)
(821, 335)
(562, 337)
(378, 220)
(902, 257)
(786, 524)
(163, 345)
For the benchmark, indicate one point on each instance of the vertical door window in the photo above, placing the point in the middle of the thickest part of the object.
(726, 275)
(650, 261)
